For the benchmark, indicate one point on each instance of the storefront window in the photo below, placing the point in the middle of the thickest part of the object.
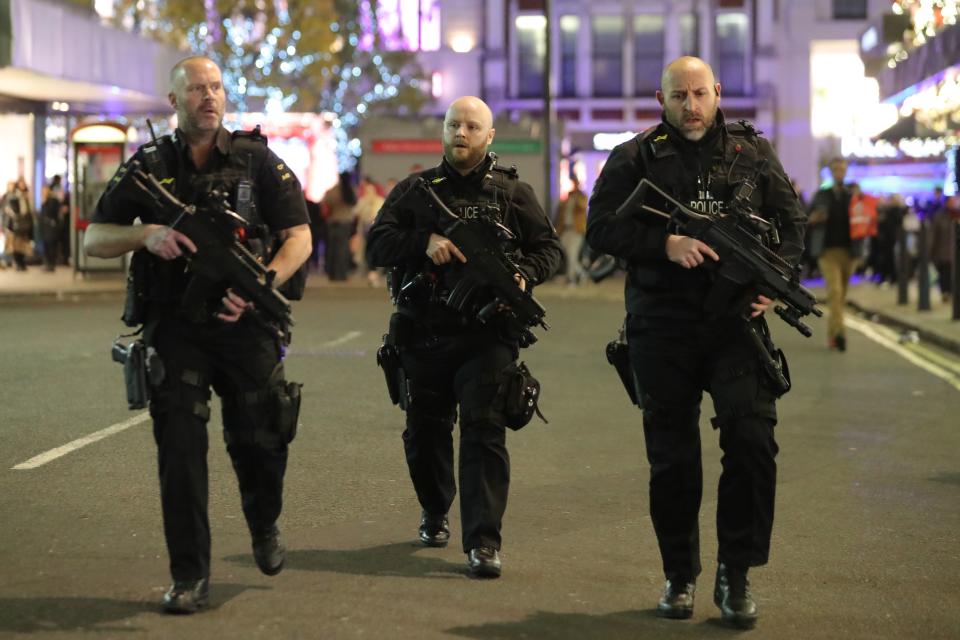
(647, 53)
(608, 56)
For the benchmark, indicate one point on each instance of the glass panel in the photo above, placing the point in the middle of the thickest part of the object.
(429, 23)
(731, 46)
(849, 9)
(648, 53)
(531, 50)
(608, 56)
(689, 35)
(569, 27)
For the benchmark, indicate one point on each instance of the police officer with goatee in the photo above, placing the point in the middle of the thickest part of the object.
(452, 362)
(681, 344)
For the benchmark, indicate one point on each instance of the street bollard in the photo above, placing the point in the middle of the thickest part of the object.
(923, 266)
(903, 267)
(955, 289)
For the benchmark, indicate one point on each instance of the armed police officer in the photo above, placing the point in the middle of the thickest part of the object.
(680, 346)
(451, 359)
(218, 345)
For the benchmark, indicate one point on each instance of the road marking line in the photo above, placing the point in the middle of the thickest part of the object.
(944, 374)
(53, 454)
(347, 337)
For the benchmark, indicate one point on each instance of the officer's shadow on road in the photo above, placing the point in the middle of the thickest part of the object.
(610, 626)
(47, 615)
(398, 560)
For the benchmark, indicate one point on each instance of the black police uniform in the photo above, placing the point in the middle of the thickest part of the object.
(678, 348)
(240, 361)
(450, 359)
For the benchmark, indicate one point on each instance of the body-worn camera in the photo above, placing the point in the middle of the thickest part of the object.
(142, 369)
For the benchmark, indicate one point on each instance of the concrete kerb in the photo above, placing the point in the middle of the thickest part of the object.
(942, 341)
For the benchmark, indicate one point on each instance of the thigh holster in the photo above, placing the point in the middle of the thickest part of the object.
(266, 417)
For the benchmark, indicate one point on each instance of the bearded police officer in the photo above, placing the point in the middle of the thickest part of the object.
(223, 347)
(449, 359)
(678, 347)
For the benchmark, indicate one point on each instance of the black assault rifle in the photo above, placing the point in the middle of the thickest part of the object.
(486, 266)
(221, 261)
(745, 262)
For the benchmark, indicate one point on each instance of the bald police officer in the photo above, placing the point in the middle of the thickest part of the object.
(679, 348)
(450, 360)
(226, 349)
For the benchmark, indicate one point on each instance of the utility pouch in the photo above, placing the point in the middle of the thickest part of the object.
(286, 405)
(618, 355)
(520, 393)
(135, 305)
(142, 369)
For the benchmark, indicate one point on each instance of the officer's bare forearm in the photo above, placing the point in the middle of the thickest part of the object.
(293, 252)
(102, 240)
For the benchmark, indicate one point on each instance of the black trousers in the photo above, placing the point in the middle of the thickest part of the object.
(447, 372)
(674, 363)
(236, 361)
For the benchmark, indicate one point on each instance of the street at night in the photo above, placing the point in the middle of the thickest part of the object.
(864, 543)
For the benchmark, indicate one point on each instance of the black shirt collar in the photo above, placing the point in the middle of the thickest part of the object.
(478, 172)
(708, 139)
(222, 141)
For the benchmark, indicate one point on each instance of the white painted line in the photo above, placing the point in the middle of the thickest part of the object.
(53, 454)
(347, 337)
(944, 374)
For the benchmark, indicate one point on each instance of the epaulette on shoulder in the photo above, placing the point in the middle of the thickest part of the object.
(433, 175)
(251, 136)
(648, 132)
(743, 128)
(509, 172)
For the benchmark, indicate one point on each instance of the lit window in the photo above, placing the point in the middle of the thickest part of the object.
(647, 53)
(569, 27)
(531, 53)
(608, 56)
(731, 52)
(849, 9)
(403, 25)
(689, 35)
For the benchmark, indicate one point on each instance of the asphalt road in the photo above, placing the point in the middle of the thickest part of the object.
(865, 541)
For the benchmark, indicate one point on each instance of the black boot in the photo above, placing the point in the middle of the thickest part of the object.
(269, 552)
(187, 596)
(732, 594)
(677, 599)
(434, 530)
(484, 562)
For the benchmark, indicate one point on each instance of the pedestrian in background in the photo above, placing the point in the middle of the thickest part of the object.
(570, 221)
(943, 230)
(19, 221)
(368, 205)
(339, 202)
(830, 220)
(678, 348)
(49, 220)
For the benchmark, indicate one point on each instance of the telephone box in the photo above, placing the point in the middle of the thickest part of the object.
(98, 151)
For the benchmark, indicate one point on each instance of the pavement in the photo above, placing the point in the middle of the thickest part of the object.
(877, 303)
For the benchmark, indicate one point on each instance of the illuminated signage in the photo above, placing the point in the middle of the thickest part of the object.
(607, 141)
(852, 147)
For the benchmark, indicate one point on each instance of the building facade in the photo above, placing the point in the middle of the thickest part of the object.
(606, 57)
